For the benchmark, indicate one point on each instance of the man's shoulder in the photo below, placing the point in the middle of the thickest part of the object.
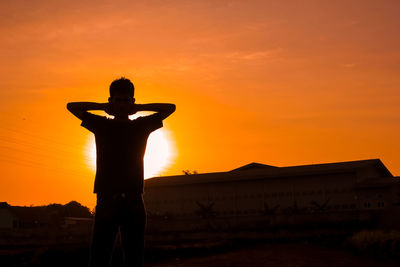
(150, 122)
(92, 121)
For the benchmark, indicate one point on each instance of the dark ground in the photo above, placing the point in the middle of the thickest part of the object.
(290, 254)
(213, 254)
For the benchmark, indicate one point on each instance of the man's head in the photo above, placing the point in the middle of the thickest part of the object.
(121, 95)
(122, 86)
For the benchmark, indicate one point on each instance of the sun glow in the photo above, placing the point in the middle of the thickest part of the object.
(159, 153)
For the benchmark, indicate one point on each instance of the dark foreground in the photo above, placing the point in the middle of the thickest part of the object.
(290, 254)
(260, 254)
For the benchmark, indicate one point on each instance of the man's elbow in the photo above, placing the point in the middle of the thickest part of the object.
(75, 110)
(172, 108)
(167, 112)
(69, 106)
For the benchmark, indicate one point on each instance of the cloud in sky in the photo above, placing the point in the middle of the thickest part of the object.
(277, 82)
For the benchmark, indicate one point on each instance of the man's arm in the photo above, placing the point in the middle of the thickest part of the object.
(79, 108)
(164, 110)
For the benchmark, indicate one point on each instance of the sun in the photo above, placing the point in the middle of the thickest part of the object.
(159, 153)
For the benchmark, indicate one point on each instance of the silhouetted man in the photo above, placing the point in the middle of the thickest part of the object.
(120, 147)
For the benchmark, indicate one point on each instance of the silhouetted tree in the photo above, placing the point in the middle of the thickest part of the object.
(75, 209)
(320, 207)
(270, 210)
(188, 172)
(205, 210)
(294, 209)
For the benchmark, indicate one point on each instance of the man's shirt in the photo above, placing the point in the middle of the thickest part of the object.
(120, 147)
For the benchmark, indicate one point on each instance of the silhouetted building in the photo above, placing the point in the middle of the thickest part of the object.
(260, 196)
(8, 220)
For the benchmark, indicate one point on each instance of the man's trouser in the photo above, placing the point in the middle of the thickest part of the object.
(118, 211)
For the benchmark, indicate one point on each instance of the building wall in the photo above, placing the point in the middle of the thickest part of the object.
(339, 197)
(6, 219)
(250, 197)
(375, 198)
(367, 173)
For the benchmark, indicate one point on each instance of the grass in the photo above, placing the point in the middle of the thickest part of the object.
(377, 243)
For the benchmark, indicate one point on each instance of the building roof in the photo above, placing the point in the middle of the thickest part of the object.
(78, 219)
(253, 166)
(254, 171)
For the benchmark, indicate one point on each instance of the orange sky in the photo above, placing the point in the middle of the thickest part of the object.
(291, 83)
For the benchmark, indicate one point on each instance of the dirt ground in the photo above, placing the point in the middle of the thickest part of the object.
(280, 255)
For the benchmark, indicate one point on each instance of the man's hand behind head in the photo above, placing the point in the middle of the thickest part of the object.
(121, 109)
(109, 109)
(133, 108)
(121, 105)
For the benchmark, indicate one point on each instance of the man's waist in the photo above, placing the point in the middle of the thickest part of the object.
(118, 185)
(119, 195)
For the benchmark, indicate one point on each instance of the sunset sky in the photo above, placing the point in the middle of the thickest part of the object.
(276, 82)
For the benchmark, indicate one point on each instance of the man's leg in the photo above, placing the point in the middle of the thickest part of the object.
(132, 230)
(104, 232)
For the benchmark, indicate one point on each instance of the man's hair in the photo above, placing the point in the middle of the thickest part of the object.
(123, 86)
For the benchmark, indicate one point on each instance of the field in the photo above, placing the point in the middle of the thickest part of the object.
(284, 254)
(366, 248)
(289, 254)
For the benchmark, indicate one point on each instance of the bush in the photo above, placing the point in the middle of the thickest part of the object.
(378, 243)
